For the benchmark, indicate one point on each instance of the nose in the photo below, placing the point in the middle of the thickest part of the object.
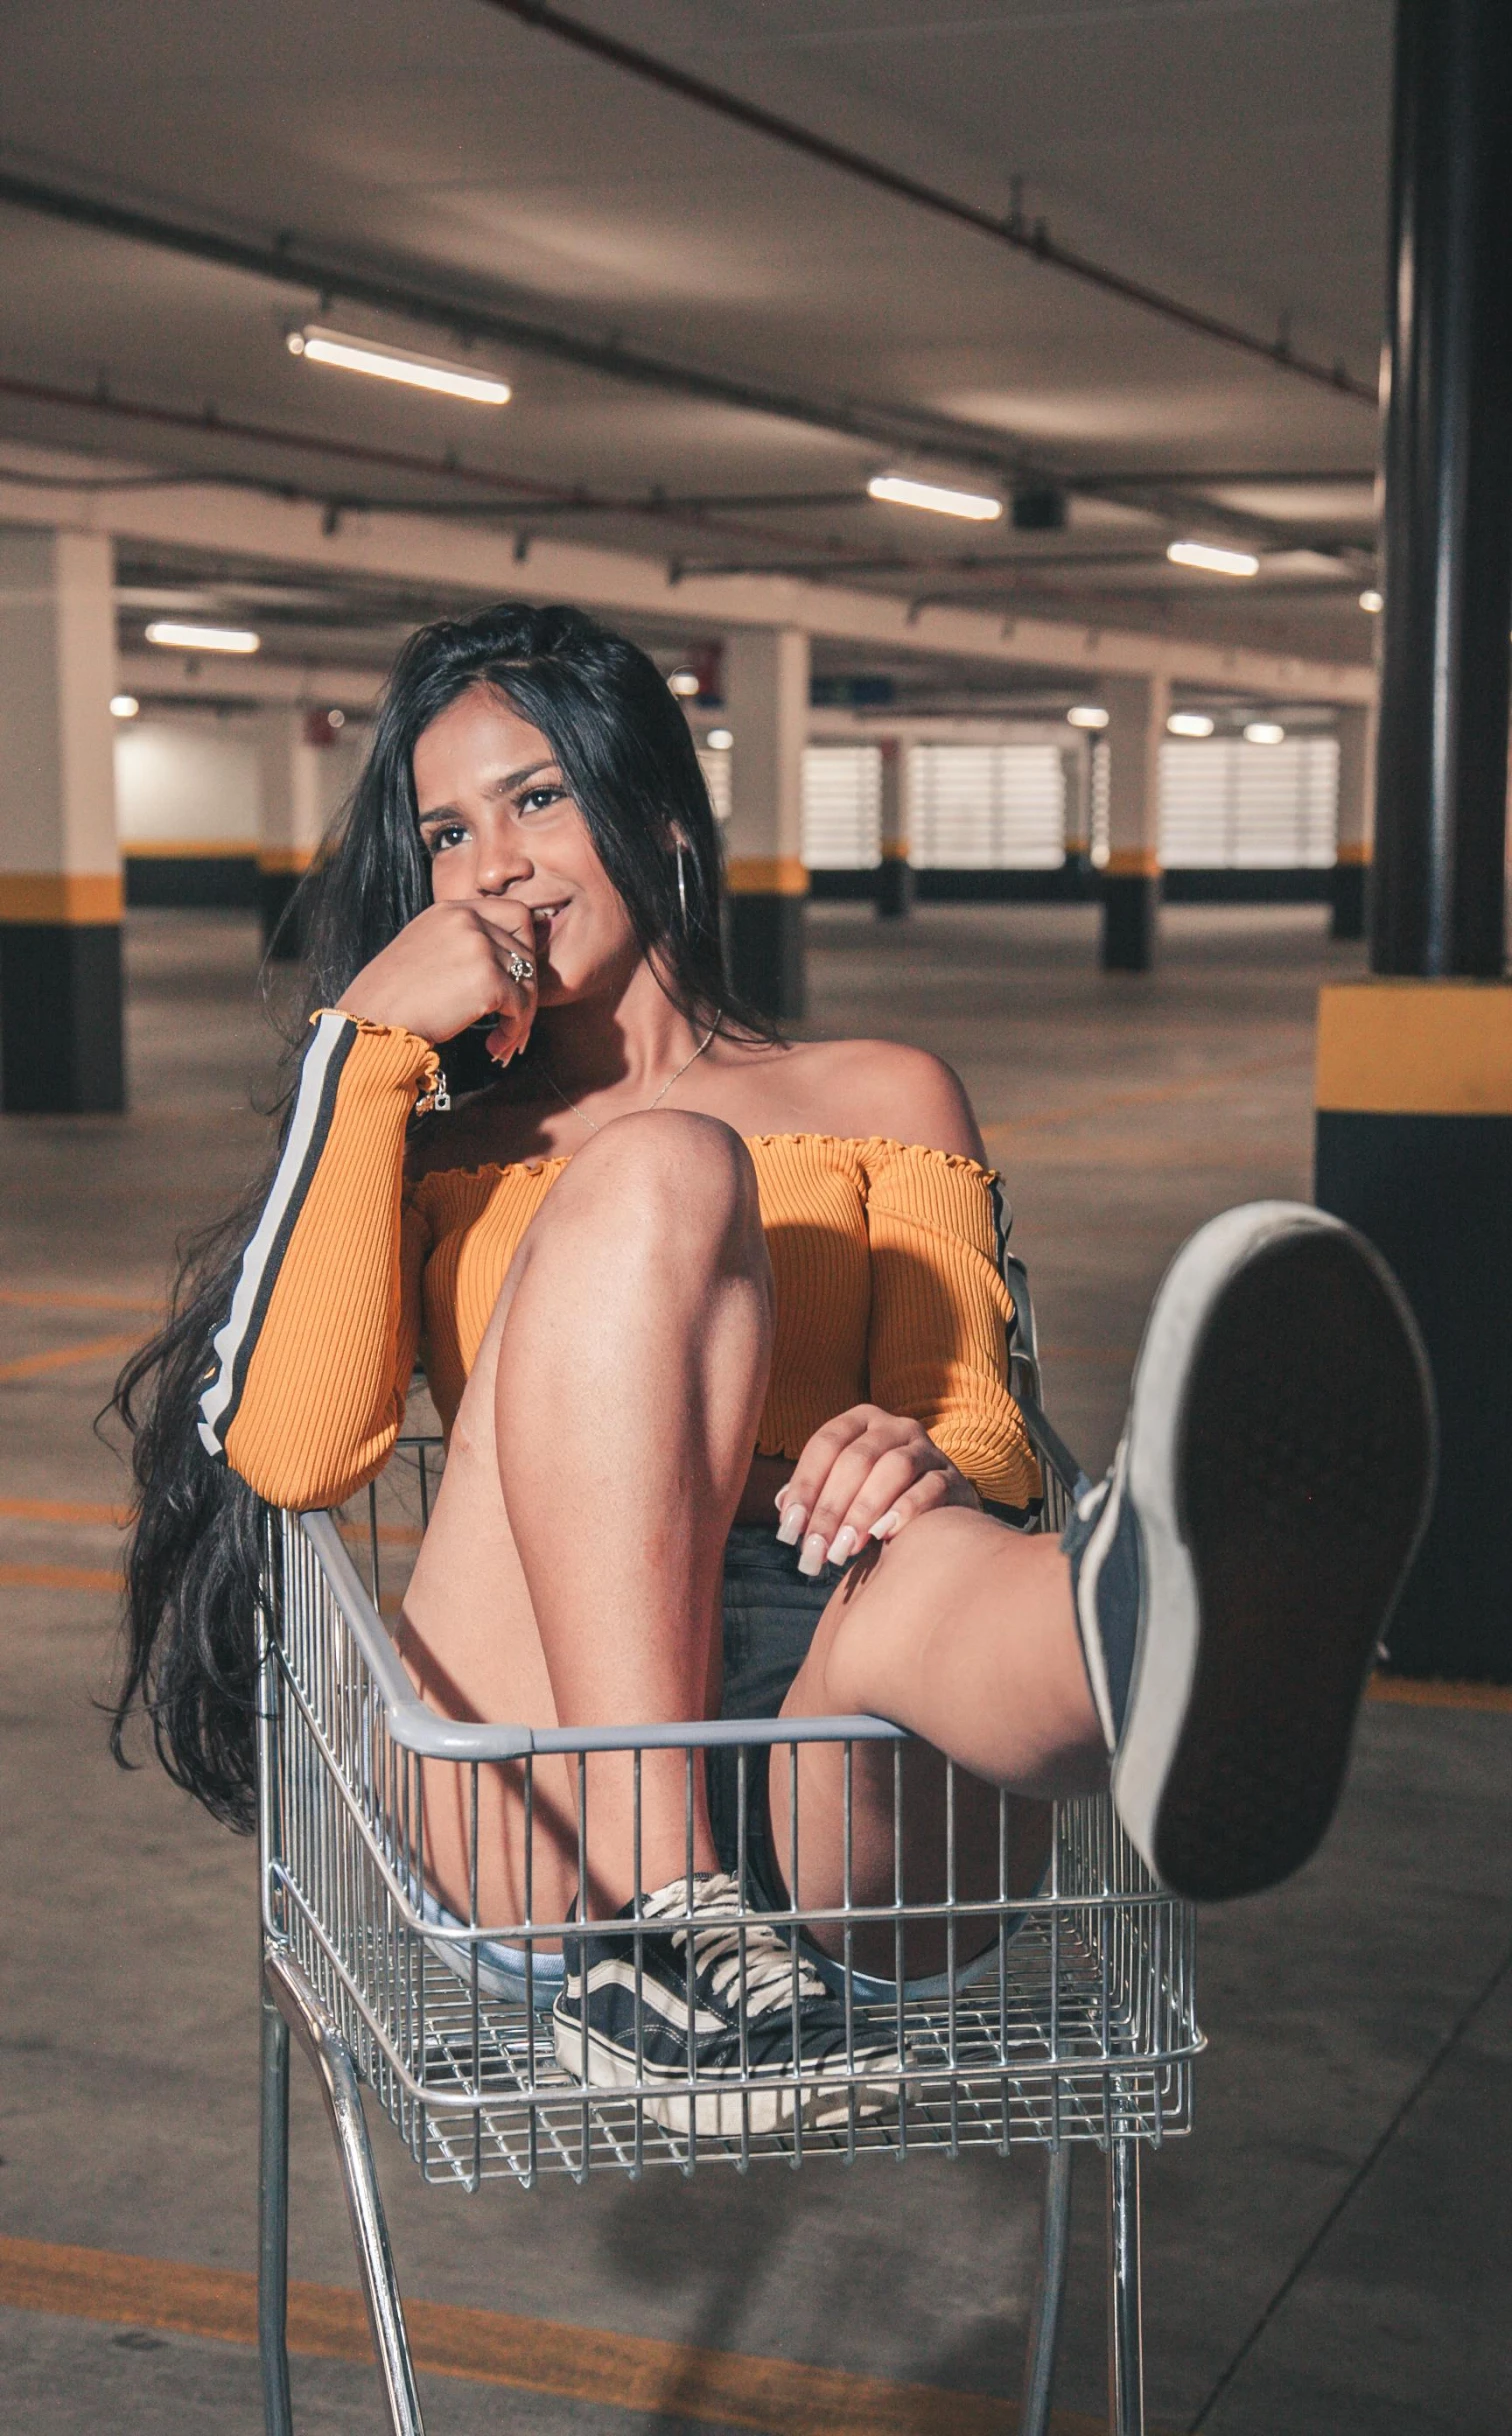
(502, 859)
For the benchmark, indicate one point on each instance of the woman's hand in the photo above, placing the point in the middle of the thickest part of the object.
(449, 967)
(864, 1475)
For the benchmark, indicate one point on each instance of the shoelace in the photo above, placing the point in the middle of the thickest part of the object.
(771, 1969)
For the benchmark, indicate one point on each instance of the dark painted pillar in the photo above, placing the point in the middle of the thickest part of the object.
(895, 879)
(1414, 1133)
(1351, 871)
(1135, 733)
(1441, 788)
(767, 948)
(61, 1032)
(767, 699)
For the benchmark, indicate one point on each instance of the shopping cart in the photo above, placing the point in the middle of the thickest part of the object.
(1064, 2018)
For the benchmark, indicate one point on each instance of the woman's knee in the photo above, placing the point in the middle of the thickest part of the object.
(894, 1603)
(673, 1176)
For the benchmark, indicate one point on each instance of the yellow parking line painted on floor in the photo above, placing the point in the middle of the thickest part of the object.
(64, 1357)
(1405, 1692)
(62, 1510)
(579, 2363)
(59, 1577)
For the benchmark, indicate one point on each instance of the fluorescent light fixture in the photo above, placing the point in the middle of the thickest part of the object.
(1372, 603)
(124, 706)
(1189, 723)
(1264, 731)
(1086, 714)
(174, 637)
(719, 740)
(684, 683)
(1215, 562)
(901, 492)
(397, 364)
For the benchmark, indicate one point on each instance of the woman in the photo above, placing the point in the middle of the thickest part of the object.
(710, 1315)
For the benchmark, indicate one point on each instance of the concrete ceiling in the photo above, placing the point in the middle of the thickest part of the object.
(1227, 153)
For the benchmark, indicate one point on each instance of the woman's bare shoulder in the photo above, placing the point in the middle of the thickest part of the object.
(867, 1087)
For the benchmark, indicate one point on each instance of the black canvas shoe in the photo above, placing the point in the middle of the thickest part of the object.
(1235, 1572)
(722, 1997)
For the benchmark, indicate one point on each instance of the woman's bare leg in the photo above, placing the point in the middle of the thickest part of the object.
(572, 1570)
(962, 1631)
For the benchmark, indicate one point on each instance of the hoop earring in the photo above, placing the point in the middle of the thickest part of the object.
(682, 886)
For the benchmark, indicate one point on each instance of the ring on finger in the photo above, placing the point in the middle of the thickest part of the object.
(520, 968)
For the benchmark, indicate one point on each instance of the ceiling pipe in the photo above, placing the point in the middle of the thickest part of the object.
(523, 499)
(1024, 237)
(286, 264)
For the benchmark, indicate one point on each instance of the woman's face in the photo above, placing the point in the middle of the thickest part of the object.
(497, 821)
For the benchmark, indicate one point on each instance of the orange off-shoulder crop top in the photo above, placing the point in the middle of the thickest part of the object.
(884, 1258)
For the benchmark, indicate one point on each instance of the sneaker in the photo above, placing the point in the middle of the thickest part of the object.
(721, 1998)
(1235, 1572)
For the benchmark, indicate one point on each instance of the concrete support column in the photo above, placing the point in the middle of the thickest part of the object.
(1137, 710)
(1357, 726)
(1076, 783)
(293, 748)
(61, 1037)
(767, 699)
(895, 886)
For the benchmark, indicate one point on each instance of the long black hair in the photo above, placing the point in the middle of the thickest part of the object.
(624, 749)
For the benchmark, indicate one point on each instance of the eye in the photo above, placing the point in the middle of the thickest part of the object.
(540, 799)
(447, 833)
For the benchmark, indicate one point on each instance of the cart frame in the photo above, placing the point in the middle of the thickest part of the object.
(1073, 2026)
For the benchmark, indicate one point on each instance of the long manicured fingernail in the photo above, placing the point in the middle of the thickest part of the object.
(886, 1524)
(844, 1545)
(812, 1559)
(790, 1529)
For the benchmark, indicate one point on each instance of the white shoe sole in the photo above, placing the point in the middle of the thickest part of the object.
(1279, 1458)
(824, 2099)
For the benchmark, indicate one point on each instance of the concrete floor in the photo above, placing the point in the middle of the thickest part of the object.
(1329, 2252)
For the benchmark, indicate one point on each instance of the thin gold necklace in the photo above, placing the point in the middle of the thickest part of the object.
(592, 1122)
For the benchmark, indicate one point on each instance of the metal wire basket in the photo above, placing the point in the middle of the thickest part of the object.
(1063, 2016)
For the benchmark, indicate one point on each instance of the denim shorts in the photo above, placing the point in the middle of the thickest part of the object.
(771, 1613)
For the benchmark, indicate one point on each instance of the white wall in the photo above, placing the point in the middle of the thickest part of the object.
(191, 780)
(187, 782)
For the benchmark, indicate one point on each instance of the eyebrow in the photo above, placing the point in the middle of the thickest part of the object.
(500, 786)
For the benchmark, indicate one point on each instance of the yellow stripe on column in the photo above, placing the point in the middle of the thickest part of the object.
(766, 875)
(1415, 1048)
(1354, 850)
(188, 849)
(285, 861)
(60, 896)
(1132, 863)
(895, 850)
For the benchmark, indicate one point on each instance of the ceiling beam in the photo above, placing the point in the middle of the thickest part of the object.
(214, 519)
(286, 262)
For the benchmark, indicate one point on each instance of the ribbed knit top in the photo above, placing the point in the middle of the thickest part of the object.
(884, 1257)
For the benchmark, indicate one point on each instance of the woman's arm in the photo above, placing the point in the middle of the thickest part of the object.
(941, 1428)
(315, 1354)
